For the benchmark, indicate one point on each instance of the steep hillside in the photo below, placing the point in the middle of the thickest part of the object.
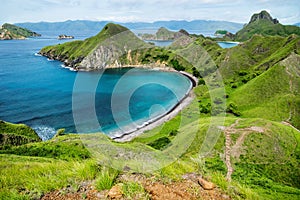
(9, 32)
(262, 23)
(251, 58)
(274, 94)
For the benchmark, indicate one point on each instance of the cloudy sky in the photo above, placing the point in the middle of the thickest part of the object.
(12, 11)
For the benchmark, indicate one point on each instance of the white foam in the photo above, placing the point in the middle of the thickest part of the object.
(44, 132)
(69, 68)
(36, 54)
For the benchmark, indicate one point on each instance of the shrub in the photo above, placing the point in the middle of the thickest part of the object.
(160, 143)
(232, 108)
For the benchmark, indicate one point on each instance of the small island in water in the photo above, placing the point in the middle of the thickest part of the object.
(63, 37)
(12, 32)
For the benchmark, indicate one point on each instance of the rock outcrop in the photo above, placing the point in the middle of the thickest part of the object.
(263, 15)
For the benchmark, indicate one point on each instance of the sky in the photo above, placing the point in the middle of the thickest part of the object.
(13, 11)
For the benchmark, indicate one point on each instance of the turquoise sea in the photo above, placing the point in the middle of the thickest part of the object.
(42, 94)
(226, 45)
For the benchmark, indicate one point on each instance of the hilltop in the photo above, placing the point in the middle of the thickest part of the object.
(10, 32)
(262, 23)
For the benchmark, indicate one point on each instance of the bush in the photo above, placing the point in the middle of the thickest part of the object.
(160, 143)
(176, 65)
(205, 108)
(233, 109)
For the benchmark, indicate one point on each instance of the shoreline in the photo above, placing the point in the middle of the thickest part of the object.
(126, 137)
(153, 123)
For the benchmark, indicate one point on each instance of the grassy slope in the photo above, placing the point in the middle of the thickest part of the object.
(269, 95)
(256, 55)
(272, 156)
(266, 28)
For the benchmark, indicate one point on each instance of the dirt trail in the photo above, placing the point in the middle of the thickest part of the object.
(235, 149)
(228, 142)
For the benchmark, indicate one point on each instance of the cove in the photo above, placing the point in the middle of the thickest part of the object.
(39, 92)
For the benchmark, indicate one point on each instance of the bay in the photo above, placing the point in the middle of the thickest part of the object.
(40, 93)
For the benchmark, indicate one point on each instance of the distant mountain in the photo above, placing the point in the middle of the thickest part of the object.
(9, 32)
(262, 23)
(297, 24)
(164, 34)
(199, 26)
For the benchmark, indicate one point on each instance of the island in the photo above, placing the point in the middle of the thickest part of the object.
(63, 37)
(12, 32)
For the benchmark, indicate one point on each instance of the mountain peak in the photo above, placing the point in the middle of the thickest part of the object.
(113, 29)
(263, 15)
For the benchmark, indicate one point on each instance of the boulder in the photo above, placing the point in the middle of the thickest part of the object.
(206, 185)
(115, 192)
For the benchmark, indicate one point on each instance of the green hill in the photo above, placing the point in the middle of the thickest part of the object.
(274, 94)
(251, 58)
(113, 37)
(263, 24)
(9, 32)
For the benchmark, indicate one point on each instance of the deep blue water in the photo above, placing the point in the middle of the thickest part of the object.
(45, 96)
(226, 45)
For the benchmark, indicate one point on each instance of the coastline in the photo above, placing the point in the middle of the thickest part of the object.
(185, 101)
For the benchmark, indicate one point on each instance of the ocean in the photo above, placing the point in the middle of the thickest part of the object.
(43, 94)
